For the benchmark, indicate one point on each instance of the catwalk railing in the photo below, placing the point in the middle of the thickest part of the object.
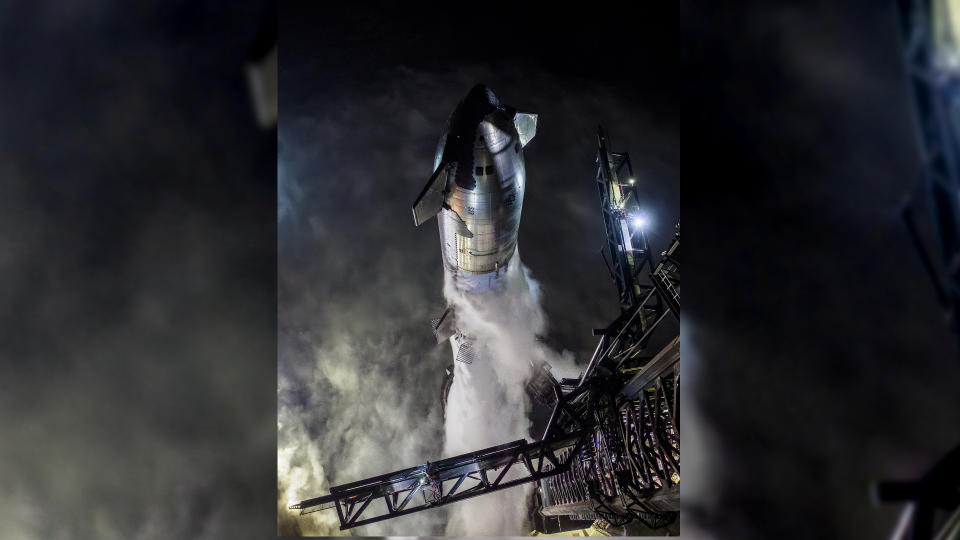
(443, 482)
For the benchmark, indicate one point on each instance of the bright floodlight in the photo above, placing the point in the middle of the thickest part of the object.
(632, 181)
(639, 222)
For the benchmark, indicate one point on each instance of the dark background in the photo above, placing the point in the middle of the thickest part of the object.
(137, 261)
(137, 249)
(823, 360)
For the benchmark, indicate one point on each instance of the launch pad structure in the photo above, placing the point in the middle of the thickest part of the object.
(630, 468)
(610, 451)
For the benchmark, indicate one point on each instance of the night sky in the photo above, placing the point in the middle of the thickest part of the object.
(162, 258)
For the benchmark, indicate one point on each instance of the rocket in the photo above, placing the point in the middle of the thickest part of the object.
(476, 192)
(476, 189)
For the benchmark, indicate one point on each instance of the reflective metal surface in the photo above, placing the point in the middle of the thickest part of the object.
(477, 187)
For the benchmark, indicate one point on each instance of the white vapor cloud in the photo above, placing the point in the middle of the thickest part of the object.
(488, 404)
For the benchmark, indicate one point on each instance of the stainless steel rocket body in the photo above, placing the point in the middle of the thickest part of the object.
(477, 188)
(491, 210)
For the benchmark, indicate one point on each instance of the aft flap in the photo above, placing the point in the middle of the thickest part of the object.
(444, 327)
(466, 348)
(431, 198)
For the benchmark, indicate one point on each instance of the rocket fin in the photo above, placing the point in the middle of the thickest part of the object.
(526, 124)
(465, 352)
(430, 200)
(443, 327)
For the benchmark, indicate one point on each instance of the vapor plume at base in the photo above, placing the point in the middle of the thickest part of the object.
(487, 404)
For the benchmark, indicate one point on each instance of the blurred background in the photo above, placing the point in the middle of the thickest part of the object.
(137, 261)
(824, 359)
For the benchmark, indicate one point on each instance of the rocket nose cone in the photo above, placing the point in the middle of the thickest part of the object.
(480, 94)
